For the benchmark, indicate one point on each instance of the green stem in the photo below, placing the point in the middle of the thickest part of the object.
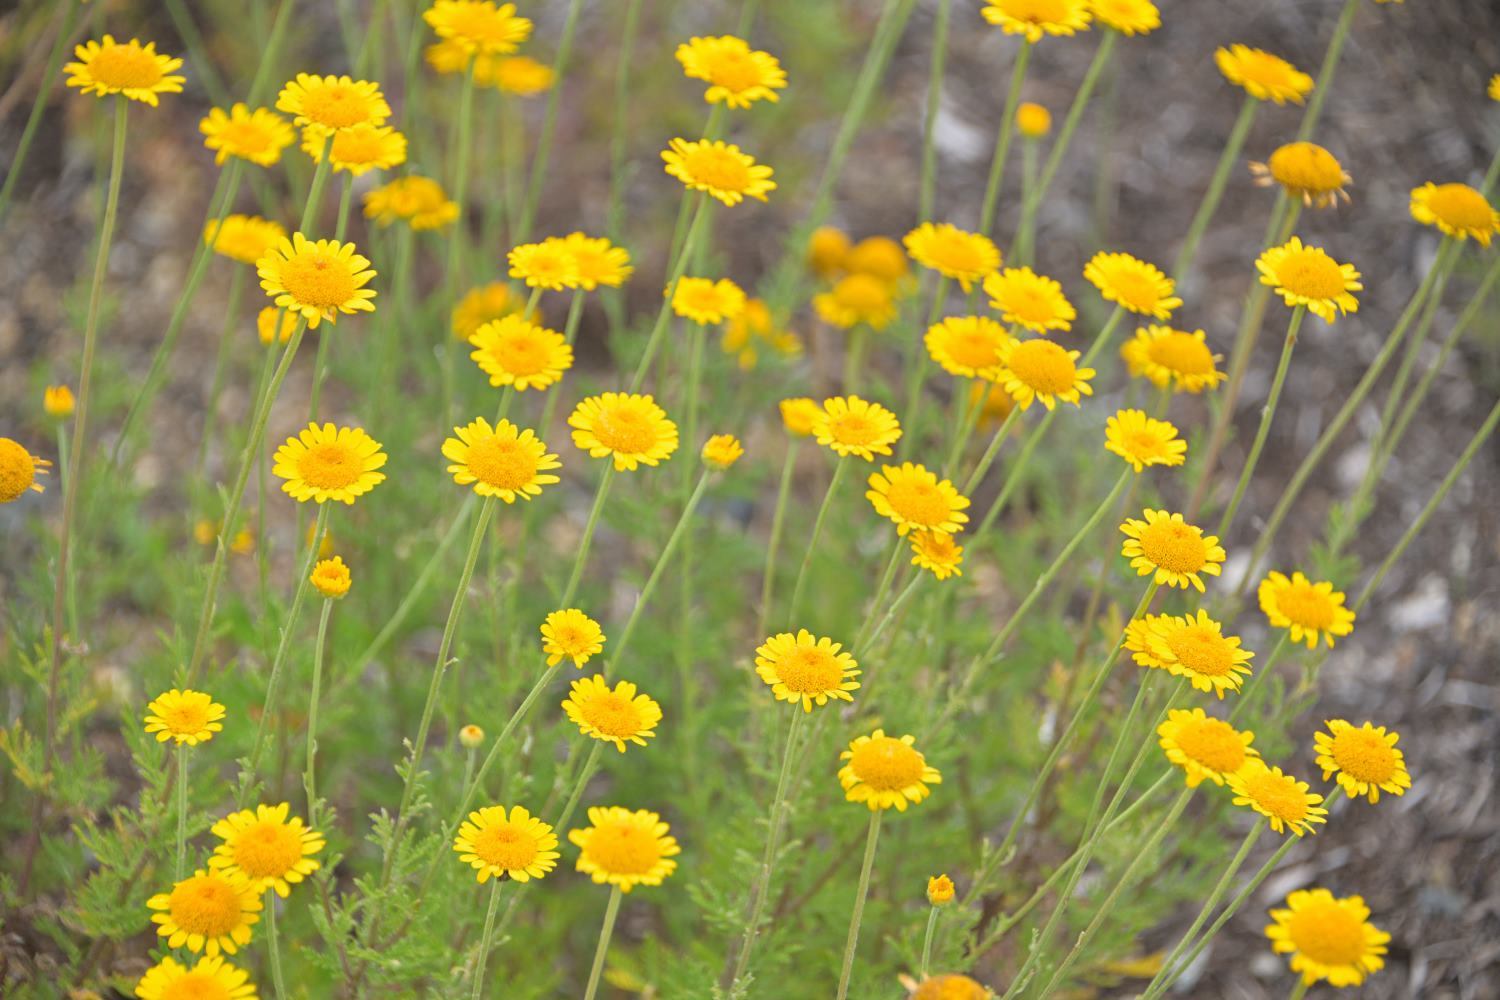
(932, 919)
(182, 808)
(934, 100)
(1299, 990)
(968, 416)
(898, 550)
(486, 938)
(988, 458)
(917, 363)
(773, 544)
(1325, 72)
(273, 948)
(456, 241)
(39, 105)
(549, 123)
(812, 543)
(1002, 141)
(1267, 413)
(1215, 192)
(676, 271)
(581, 560)
(309, 779)
(227, 338)
(859, 901)
(610, 912)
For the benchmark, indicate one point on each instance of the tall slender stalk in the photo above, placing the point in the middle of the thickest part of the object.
(675, 271)
(1215, 193)
(309, 777)
(1002, 141)
(582, 558)
(1267, 413)
(39, 105)
(928, 184)
(860, 894)
(549, 123)
(485, 938)
(602, 949)
(812, 543)
(273, 948)
(182, 808)
(773, 544)
(1325, 72)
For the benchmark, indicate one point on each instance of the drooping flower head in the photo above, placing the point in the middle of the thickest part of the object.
(1207, 749)
(969, 346)
(943, 247)
(1305, 171)
(326, 462)
(884, 772)
(549, 264)
(625, 848)
(850, 425)
(721, 451)
(1029, 300)
(938, 552)
(718, 168)
(1284, 801)
(1171, 357)
(571, 634)
(1308, 276)
(324, 104)
(806, 668)
(420, 202)
(629, 429)
(19, 469)
(1308, 610)
(706, 301)
(914, 498)
(257, 136)
(857, 299)
(597, 261)
(514, 845)
(210, 978)
(1040, 370)
(518, 353)
(318, 280)
(1365, 759)
(208, 912)
(503, 461)
(1133, 284)
(270, 850)
(1457, 210)
(358, 149)
(478, 26)
(1194, 647)
(1178, 553)
(1328, 938)
(245, 238)
(185, 717)
(617, 715)
(737, 75)
(130, 68)
(1263, 76)
(1036, 18)
(1141, 440)
(1128, 17)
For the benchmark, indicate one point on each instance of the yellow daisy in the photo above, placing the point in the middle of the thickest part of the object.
(358, 149)
(1284, 801)
(514, 352)
(1308, 276)
(265, 325)
(953, 253)
(806, 668)
(503, 461)
(190, 717)
(19, 469)
(1132, 284)
(1194, 647)
(614, 715)
(1328, 938)
(597, 261)
(1263, 76)
(940, 890)
(327, 103)
(1307, 610)
(828, 250)
(318, 280)
(886, 773)
(1029, 300)
(857, 299)
(706, 301)
(517, 846)
(799, 415)
(1204, 747)
(58, 401)
(1142, 440)
(484, 304)
(1033, 120)
(265, 847)
(1178, 553)
(208, 912)
(478, 25)
(137, 71)
(629, 429)
(914, 497)
(245, 238)
(522, 76)
(572, 635)
(722, 450)
(256, 136)
(210, 978)
(1128, 17)
(879, 257)
(737, 75)
(1457, 209)
(1365, 759)
(331, 578)
(420, 202)
(949, 986)
(853, 426)
(625, 848)
(719, 168)
(1035, 18)
(329, 463)
(1175, 358)
(937, 552)
(1306, 171)
(549, 264)
(1039, 369)
(1494, 88)
(969, 346)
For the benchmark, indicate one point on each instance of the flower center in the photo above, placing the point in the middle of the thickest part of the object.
(972, 347)
(248, 137)
(330, 465)
(612, 714)
(1139, 291)
(953, 252)
(1364, 755)
(205, 904)
(718, 168)
(1461, 207)
(626, 428)
(1029, 305)
(1145, 444)
(1174, 546)
(1201, 650)
(128, 67)
(852, 429)
(1212, 743)
(508, 465)
(521, 355)
(624, 850)
(1312, 274)
(1264, 69)
(267, 850)
(1305, 166)
(335, 105)
(862, 293)
(809, 670)
(196, 986)
(735, 71)
(1305, 605)
(886, 764)
(17, 470)
(357, 146)
(1042, 366)
(1278, 796)
(1181, 353)
(318, 279)
(1328, 934)
(918, 501)
(505, 846)
(937, 546)
(186, 718)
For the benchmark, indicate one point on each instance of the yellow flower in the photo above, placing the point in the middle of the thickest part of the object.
(737, 75)
(573, 635)
(718, 168)
(879, 257)
(137, 71)
(1328, 938)
(1263, 76)
(853, 426)
(805, 668)
(629, 429)
(1142, 440)
(329, 463)
(940, 890)
(18, 471)
(1307, 610)
(548, 264)
(478, 25)
(1032, 120)
(519, 75)
(1494, 89)
(1456, 209)
(1173, 358)
(1204, 747)
(209, 912)
(913, 497)
(937, 552)
(57, 401)
(326, 103)
(1035, 18)
(855, 299)
(190, 717)
(753, 326)
(318, 280)
(1308, 276)
(799, 415)
(886, 773)
(517, 846)
(706, 301)
(1284, 801)
(625, 848)
(1132, 284)
(265, 325)
(481, 305)
(1128, 17)
(503, 461)
(514, 352)
(1175, 551)
(827, 251)
(256, 136)
(953, 253)
(597, 261)
(969, 346)
(1304, 170)
(1194, 647)
(1038, 369)
(265, 847)
(358, 149)
(722, 450)
(330, 577)
(993, 401)
(1365, 759)
(418, 201)
(1030, 300)
(210, 978)
(245, 238)
(617, 715)
(470, 736)
(948, 986)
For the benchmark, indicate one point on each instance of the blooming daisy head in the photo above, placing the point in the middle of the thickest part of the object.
(1128, 17)
(209, 911)
(1175, 358)
(256, 136)
(245, 238)
(1133, 284)
(1035, 18)
(1033, 120)
(1263, 76)
(483, 304)
(857, 299)
(478, 26)
(1304, 170)
(1457, 209)
(503, 461)
(572, 635)
(269, 849)
(1039, 369)
(1029, 300)
(1308, 276)
(58, 401)
(886, 773)
(1364, 758)
(617, 715)
(18, 471)
(515, 352)
(914, 498)
(522, 76)
(828, 251)
(969, 346)
(323, 104)
(625, 848)
(1166, 545)
(1284, 801)
(940, 890)
(319, 279)
(210, 978)
(706, 301)
(937, 552)
(549, 264)
(718, 168)
(629, 429)
(331, 578)
(1141, 440)
(879, 257)
(1194, 647)
(737, 75)
(1308, 610)
(137, 71)
(850, 425)
(807, 669)
(1204, 747)
(948, 986)
(266, 323)
(358, 149)
(799, 415)
(953, 253)
(514, 845)
(597, 261)
(420, 202)
(1328, 938)
(722, 450)
(329, 463)
(189, 717)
